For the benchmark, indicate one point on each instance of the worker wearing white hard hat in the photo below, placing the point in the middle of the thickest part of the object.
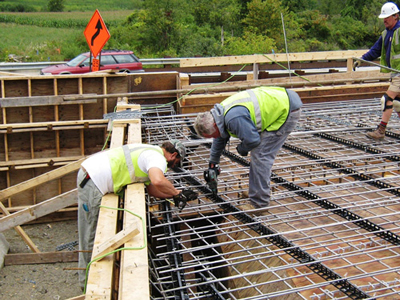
(388, 49)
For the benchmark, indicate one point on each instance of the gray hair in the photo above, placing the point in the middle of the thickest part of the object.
(204, 124)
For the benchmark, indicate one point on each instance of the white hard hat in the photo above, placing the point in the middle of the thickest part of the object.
(388, 9)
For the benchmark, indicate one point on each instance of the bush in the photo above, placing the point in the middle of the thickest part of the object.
(16, 8)
(56, 5)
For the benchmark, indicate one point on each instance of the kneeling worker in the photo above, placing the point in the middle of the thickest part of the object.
(110, 171)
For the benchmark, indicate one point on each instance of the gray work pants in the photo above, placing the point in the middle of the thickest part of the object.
(263, 157)
(89, 200)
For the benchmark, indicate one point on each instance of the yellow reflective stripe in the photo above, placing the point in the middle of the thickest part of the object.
(257, 109)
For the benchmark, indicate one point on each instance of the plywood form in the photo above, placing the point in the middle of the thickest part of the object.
(52, 130)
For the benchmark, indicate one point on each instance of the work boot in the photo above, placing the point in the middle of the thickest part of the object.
(378, 134)
(250, 209)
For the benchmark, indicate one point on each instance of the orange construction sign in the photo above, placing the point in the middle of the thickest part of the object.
(96, 34)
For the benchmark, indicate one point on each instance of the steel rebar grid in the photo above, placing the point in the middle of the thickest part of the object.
(335, 242)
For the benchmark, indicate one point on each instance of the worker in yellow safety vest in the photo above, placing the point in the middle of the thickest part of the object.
(387, 47)
(110, 171)
(262, 118)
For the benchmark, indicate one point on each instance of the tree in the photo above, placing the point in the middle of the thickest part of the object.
(264, 18)
(219, 14)
(56, 5)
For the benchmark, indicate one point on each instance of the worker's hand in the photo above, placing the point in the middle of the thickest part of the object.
(356, 64)
(215, 167)
(241, 151)
(189, 194)
(183, 197)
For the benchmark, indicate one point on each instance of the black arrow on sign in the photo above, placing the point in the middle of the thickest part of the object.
(99, 27)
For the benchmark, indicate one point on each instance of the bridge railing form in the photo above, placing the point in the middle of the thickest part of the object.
(254, 63)
(279, 61)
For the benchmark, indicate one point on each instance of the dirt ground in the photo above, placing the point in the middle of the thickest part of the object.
(41, 281)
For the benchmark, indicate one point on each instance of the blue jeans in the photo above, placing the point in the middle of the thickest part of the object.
(263, 157)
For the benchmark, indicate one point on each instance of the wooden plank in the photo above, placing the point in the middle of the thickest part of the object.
(134, 273)
(46, 177)
(118, 135)
(42, 101)
(49, 161)
(99, 283)
(23, 186)
(39, 210)
(116, 241)
(40, 258)
(268, 58)
(134, 130)
(100, 276)
(51, 125)
(21, 232)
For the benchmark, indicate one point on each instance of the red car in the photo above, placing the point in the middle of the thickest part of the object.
(122, 60)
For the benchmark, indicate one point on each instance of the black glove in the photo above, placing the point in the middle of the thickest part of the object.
(356, 64)
(241, 151)
(183, 197)
(215, 167)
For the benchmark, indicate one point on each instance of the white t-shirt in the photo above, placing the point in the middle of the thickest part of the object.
(99, 169)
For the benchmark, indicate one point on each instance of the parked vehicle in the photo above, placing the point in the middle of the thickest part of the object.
(123, 61)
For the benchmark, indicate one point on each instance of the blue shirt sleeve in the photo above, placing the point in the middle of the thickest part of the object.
(374, 52)
(237, 121)
(243, 127)
(218, 145)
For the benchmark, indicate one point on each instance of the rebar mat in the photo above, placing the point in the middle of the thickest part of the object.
(209, 251)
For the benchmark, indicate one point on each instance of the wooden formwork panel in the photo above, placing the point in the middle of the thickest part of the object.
(45, 132)
(40, 130)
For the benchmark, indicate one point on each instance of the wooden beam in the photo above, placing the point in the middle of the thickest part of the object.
(39, 210)
(42, 101)
(21, 232)
(48, 161)
(269, 58)
(41, 179)
(100, 276)
(40, 258)
(26, 185)
(116, 241)
(54, 125)
(134, 273)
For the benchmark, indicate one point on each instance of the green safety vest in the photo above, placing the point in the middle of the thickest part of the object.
(394, 52)
(268, 106)
(124, 165)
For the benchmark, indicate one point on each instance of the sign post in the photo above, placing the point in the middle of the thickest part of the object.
(97, 35)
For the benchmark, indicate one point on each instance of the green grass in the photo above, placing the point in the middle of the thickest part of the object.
(37, 43)
(114, 15)
(64, 19)
(79, 5)
(38, 36)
